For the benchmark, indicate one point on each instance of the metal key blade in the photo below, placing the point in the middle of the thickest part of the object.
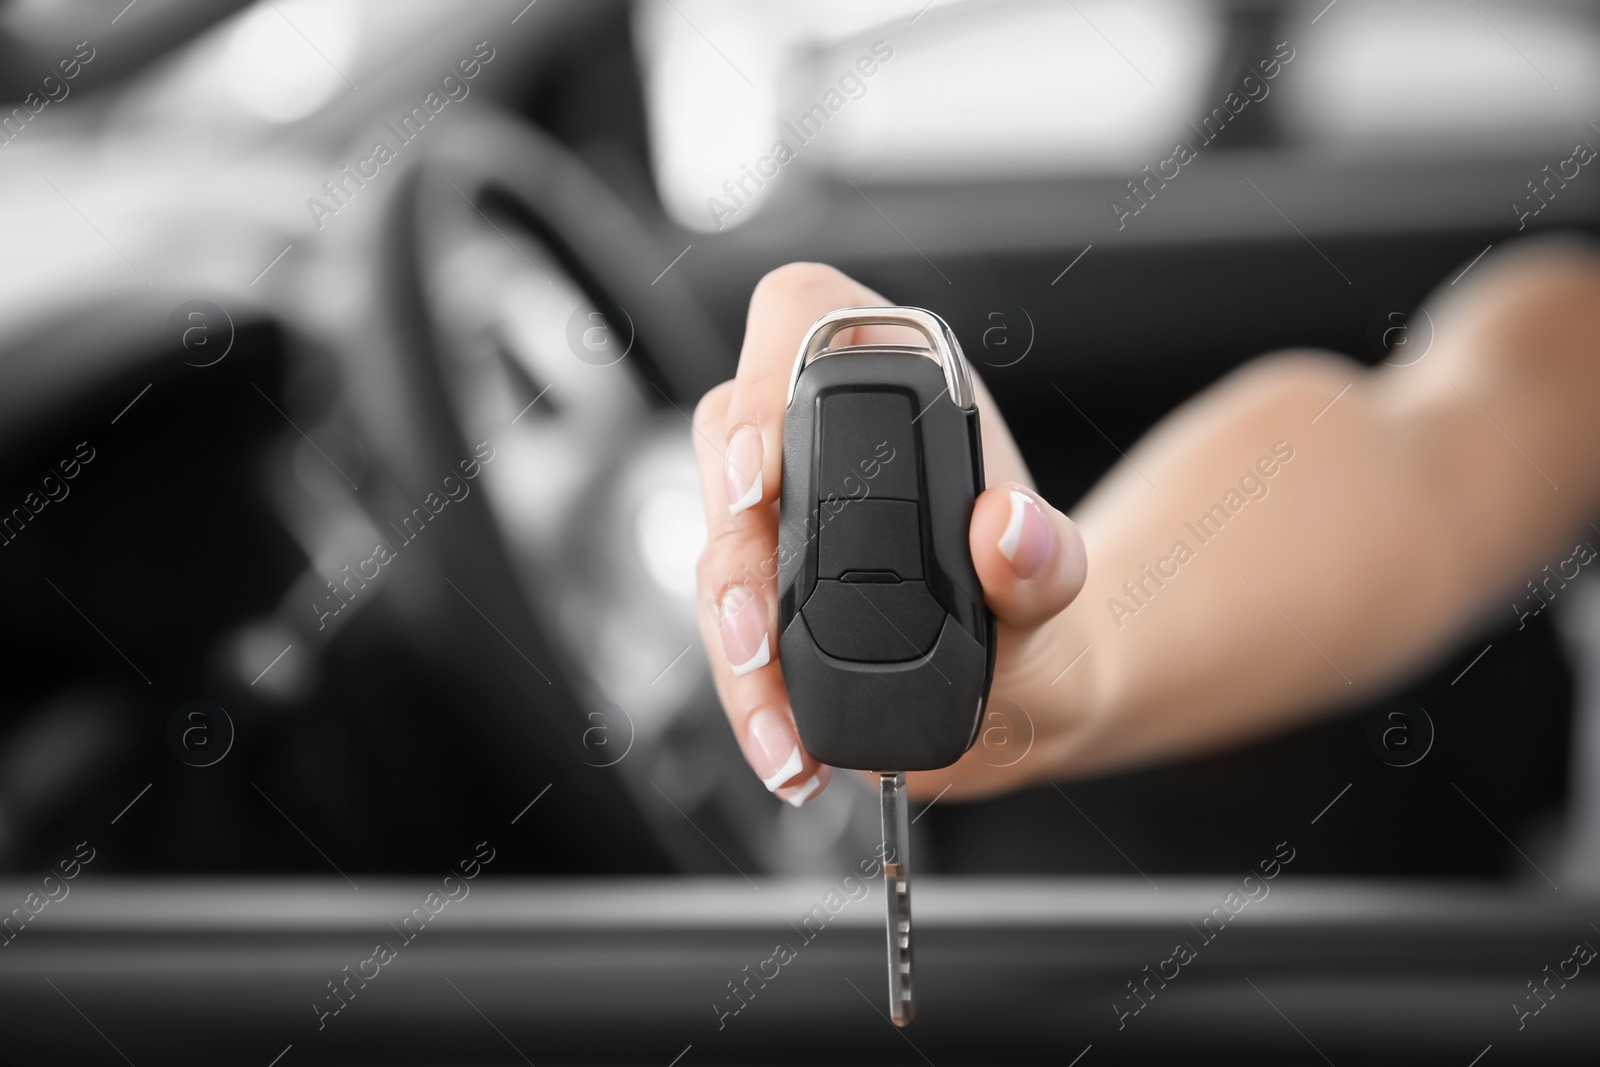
(897, 886)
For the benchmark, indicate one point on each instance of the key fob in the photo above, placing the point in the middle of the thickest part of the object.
(886, 644)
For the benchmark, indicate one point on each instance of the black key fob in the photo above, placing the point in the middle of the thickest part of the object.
(886, 644)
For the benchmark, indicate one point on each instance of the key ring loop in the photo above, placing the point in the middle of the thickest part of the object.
(942, 347)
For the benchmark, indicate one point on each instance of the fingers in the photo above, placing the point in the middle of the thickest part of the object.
(739, 445)
(737, 586)
(807, 788)
(784, 305)
(1029, 556)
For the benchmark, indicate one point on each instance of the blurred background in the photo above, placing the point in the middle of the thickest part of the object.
(288, 280)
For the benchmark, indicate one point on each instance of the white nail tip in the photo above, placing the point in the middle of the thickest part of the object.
(811, 785)
(762, 657)
(1013, 535)
(751, 498)
(790, 768)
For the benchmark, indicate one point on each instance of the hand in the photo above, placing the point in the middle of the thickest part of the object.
(1029, 556)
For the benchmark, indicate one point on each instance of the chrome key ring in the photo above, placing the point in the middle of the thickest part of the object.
(942, 347)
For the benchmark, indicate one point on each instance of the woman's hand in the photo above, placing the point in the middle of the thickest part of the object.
(1029, 556)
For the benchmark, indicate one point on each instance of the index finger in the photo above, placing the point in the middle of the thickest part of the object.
(782, 309)
(743, 435)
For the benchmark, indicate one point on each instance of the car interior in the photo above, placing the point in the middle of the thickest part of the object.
(262, 744)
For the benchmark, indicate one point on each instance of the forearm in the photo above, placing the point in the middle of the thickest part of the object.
(1241, 574)
(1272, 552)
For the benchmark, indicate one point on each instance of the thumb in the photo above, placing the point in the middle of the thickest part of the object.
(1029, 556)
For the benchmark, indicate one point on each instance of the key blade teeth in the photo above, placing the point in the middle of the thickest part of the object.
(897, 886)
(906, 1015)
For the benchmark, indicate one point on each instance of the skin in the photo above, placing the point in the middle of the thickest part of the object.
(1417, 499)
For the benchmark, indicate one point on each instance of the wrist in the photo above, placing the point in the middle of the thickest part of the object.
(1059, 683)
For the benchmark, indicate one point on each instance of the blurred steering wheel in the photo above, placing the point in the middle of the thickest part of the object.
(529, 312)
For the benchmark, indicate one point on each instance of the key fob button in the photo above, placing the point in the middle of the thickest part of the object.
(868, 441)
(871, 536)
(873, 622)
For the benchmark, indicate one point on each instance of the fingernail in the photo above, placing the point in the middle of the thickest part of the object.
(743, 474)
(796, 795)
(744, 631)
(770, 747)
(1029, 538)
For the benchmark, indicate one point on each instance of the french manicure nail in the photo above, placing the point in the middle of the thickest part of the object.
(742, 477)
(770, 747)
(1028, 539)
(743, 626)
(796, 795)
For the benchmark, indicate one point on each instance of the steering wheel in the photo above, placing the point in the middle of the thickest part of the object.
(527, 312)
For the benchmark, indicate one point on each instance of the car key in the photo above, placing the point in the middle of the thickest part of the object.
(886, 643)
